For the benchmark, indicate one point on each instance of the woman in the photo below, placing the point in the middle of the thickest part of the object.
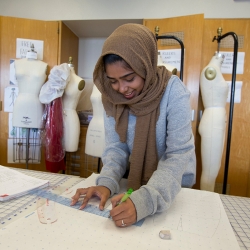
(147, 127)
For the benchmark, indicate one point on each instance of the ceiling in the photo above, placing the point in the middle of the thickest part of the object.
(97, 28)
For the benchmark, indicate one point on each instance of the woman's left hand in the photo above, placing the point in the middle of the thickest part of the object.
(124, 214)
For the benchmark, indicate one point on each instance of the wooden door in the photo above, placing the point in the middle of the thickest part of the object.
(68, 46)
(10, 29)
(1, 99)
(239, 161)
(191, 30)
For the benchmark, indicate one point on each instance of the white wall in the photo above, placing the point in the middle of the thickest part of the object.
(122, 9)
(89, 51)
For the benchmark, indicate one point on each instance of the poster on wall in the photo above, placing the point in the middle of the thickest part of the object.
(227, 65)
(171, 57)
(10, 95)
(24, 45)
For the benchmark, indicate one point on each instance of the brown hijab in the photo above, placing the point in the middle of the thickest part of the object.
(137, 45)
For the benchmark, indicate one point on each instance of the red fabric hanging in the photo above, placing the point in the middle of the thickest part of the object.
(54, 152)
(54, 167)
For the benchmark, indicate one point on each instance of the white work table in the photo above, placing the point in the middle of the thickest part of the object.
(199, 222)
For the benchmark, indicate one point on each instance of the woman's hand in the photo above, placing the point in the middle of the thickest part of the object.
(124, 214)
(102, 192)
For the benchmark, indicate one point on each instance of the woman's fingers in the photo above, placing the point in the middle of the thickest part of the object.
(100, 191)
(91, 191)
(78, 194)
(123, 215)
(103, 201)
(125, 212)
(116, 199)
(125, 221)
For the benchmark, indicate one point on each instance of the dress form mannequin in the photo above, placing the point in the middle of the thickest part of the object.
(70, 98)
(30, 75)
(214, 91)
(95, 138)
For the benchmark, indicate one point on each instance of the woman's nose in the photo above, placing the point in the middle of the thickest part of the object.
(123, 87)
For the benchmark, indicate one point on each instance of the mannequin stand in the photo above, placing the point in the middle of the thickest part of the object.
(181, 44)
(26, 146)
(219, 38)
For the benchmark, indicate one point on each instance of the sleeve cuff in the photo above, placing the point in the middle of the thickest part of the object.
(142, 202)
(109, 183)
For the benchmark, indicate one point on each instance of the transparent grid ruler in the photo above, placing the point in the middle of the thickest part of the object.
(238, 213)
(22, 206)
(88, 209)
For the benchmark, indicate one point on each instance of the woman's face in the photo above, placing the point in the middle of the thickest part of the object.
(124, 80)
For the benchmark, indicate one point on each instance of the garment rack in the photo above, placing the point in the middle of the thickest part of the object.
(230, 123)
(181, 44)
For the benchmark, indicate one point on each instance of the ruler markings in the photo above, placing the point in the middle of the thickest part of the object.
(88, 209)
(12, 208)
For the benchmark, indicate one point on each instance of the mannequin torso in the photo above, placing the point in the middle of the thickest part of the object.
(28, 110)
(214, 91)
(71, 122)
(95, 138)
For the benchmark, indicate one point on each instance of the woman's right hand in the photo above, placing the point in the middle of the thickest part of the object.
(100, 191)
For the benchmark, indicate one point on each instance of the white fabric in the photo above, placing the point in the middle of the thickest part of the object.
(58, 78)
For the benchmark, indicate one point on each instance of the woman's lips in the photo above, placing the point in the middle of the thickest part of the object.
(129, 95)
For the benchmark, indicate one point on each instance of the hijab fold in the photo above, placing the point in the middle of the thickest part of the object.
(137, 45)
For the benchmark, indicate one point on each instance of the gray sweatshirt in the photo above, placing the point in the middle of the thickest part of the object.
(176, 153)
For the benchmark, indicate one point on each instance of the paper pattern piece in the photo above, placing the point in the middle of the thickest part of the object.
(197, 220)
(46, 211)
(172, 57)
(237, 91)
(24, 45)
(14, 184)
(227, 65)
(10, 95)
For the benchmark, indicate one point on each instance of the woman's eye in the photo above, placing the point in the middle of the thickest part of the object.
(112, 82)
(130, 80)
